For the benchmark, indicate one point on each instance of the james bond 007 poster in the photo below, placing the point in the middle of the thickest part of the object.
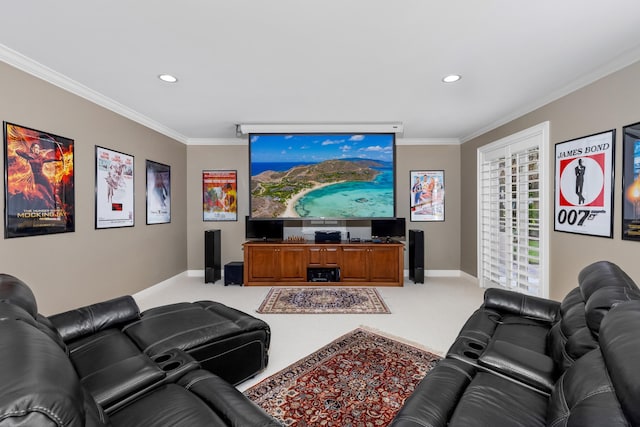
(584, 185)
(39, 190)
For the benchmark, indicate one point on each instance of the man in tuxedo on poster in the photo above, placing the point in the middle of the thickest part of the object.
(580, 171)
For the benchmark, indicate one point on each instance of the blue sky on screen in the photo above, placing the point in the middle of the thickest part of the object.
(314, 148)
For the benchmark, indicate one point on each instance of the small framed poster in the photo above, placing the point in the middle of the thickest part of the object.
(584, 169)
(39, 182)
(427, 195)
(219, 195)
(631, 182)
(158, 193)
(114, 189)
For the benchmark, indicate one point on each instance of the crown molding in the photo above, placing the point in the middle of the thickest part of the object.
(42, 72)
(217, 141)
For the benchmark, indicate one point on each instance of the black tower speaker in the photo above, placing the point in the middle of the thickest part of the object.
(416, 256)
(212, 264)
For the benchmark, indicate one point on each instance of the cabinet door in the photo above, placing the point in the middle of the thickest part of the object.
(331, 256)
(263, 265)
(354, 267)
(383, 264)
(324, 256)
(293, 265)
(315, 256)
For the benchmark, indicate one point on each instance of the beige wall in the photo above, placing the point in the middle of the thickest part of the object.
(216, 157)
(442, 250)
(72, 269)
(609, 103)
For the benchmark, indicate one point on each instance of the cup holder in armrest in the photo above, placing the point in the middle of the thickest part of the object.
(175, 363)
(161, 358)
(476, 346)
(471, 354)
(467, 349)
(171, 365)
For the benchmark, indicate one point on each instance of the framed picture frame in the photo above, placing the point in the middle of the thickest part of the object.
(584, 178)
(427, 195)
(158, 193)
(631, 182)
(39, 182)
(219, 195)
(114, 190)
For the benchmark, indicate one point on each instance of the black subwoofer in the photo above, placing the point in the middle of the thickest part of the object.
(233, 273)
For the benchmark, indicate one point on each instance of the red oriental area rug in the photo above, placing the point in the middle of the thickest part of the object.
(360, 379)
(323, 300)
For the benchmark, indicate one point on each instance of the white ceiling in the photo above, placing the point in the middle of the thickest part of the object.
(329, 61)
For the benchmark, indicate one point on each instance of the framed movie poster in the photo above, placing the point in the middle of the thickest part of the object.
(427, 195)
(631, 182)
(219, 196)
(584, 185)
(158, 193)
(39, 182)
(114, 189)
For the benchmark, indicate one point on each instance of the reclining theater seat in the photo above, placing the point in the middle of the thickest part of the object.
(228, 342)
(225, 341)
(602, 388)
(534, 340)
(40, 386)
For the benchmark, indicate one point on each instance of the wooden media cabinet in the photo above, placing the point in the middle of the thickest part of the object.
(289, 263)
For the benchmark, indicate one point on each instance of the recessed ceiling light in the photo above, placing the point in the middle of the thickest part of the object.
(168, 78)
(451, 78)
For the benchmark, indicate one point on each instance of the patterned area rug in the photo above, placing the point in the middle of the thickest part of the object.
(323, 300)
(360, 379)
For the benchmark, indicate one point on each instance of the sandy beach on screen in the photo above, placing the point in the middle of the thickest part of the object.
(290, 211)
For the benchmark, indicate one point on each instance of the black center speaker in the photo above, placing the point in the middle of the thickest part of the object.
(416, 256)
(212, 264)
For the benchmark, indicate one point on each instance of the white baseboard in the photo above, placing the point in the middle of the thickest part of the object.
(474, 279)
(159, 286)
(195, 273)
(441, 273)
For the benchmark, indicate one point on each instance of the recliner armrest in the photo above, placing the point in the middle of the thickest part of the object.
(87, 320)
(523, 305)
(226, 400)
(521, 364)
(436, 397)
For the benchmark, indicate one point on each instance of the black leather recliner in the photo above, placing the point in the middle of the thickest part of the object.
(101, 378)
(540, 362)
(534, 340)
(602, 388)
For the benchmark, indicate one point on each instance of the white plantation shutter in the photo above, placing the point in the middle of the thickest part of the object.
(512, 241)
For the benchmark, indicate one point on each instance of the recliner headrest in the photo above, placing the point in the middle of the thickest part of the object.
(602, 300)
(620, 346)
(15, 291)
(601, 274)
(602, 285)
